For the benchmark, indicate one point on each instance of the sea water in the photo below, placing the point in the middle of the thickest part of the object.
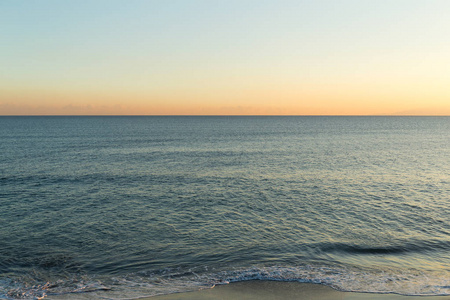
(124, 207)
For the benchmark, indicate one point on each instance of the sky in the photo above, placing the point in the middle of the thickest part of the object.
(215, 57)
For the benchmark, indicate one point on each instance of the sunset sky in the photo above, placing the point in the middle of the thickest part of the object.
(236, 57)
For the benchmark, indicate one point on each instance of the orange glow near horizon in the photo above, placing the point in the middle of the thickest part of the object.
(263, 102)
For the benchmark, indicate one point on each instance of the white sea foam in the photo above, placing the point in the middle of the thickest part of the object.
(133, 286)
(405, 282)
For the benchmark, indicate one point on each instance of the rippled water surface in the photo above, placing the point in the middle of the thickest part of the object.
(121, 207)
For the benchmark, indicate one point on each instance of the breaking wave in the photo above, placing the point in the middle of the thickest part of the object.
(167, 281)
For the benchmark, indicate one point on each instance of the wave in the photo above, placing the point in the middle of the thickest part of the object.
(415, 246)
(167, 281)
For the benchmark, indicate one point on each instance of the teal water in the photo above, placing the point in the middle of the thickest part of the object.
(124, 207)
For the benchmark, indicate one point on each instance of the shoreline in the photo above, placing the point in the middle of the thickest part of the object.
(265, 290)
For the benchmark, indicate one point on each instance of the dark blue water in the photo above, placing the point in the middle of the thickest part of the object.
(122, 207)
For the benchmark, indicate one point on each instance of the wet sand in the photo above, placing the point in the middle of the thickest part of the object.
(265, 290)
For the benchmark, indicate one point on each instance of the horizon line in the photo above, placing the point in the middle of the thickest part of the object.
(193, 115)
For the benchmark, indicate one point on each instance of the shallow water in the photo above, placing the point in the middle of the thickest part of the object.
(133, 206)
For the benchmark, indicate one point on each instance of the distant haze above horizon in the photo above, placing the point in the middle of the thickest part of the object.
(211, 57)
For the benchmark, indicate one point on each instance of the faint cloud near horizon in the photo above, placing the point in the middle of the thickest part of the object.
(10, 109)
(70, 109)
(428, 111)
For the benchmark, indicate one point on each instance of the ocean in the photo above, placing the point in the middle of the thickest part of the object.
(126, 207)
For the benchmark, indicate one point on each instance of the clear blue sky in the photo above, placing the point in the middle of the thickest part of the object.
(224, 57)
